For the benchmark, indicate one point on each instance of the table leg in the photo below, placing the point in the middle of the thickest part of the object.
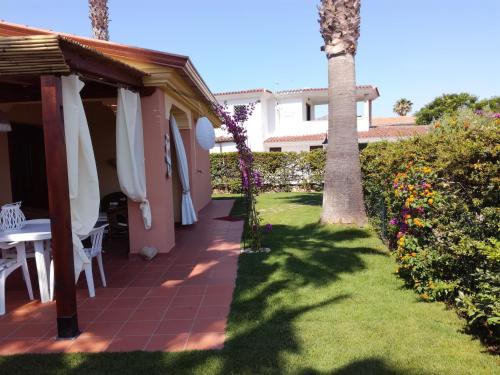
(41, 268)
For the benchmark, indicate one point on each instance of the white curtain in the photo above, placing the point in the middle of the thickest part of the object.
(82, 171)
(130, 151)
(188, 212)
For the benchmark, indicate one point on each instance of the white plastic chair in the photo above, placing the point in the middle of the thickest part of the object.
(95, 251)
(9, 265)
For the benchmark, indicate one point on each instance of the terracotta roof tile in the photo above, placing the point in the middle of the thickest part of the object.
(298, 138)
(394, 131)
(393, 121)
(223, 139)
(252, 91)
(291, 91)
(387, 132)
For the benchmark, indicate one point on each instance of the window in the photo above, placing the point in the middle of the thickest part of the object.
(311, 148)
(274, 149)
(308, 112)
(238, 108)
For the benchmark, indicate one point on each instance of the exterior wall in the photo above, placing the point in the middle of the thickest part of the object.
(5, 185)
(293, 146)
(102, 125)
(255, 125)
(365, 119)
(202, 178)
(223, 147)
(159, 188)
(276, 116)
(289, 116)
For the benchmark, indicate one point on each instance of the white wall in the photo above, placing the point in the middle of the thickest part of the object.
(254, 126)
(282, 116)
(289, 116)
(223, 147)
(293, 146)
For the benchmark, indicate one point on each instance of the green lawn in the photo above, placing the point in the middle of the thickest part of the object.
(324, 301)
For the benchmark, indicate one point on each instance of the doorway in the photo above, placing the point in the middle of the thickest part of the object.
(27, 166)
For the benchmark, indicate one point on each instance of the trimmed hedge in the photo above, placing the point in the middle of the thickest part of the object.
(281, 171)
(435, 199)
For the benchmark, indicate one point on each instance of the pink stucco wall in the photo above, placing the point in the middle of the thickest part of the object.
(199, 169)
(159, 187)
(202, 178)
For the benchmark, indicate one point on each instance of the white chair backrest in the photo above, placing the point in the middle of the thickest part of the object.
(96, 235)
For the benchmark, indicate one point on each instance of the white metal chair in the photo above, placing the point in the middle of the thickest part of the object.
(9, 265)
(95, 251)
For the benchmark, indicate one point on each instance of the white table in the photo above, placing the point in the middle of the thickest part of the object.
(36, 233)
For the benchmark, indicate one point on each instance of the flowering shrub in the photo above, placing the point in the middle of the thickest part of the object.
(412, 200)
(435, 199)
(251, 179)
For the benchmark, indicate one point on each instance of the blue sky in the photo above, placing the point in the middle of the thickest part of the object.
(416, 49)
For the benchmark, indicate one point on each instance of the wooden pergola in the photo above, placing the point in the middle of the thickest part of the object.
(30, 71)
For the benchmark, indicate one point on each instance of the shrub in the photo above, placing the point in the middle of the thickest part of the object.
(280, 171)
(434, 199)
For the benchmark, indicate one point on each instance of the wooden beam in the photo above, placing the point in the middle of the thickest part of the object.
(102, 67)
(59, 206)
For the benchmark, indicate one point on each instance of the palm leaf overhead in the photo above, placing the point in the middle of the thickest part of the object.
(339, 25)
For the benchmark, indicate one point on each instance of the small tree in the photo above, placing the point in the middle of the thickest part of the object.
(251, 179)
(403, 106)
(444, 104)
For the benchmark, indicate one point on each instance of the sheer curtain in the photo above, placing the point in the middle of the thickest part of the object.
(82, 171)
(130, 151)
(188, 211)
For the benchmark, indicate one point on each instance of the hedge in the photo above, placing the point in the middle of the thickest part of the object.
(435, 199)
(281, 171)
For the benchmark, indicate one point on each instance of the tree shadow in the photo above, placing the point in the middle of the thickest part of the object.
(261, 326)
(307, 199)
(371, 366)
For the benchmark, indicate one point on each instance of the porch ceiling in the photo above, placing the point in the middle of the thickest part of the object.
(31, 56)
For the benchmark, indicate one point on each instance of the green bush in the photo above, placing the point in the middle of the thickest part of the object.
(435, 199)
(281, 171)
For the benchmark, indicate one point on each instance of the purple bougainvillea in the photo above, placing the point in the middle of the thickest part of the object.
(251, 179)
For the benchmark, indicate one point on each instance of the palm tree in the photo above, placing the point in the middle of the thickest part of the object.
(343, 194)
(402, 106)
(98, 14)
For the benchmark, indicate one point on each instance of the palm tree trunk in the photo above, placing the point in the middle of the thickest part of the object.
(343, 194)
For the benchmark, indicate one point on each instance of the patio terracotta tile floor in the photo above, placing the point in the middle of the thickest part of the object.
(178, 301)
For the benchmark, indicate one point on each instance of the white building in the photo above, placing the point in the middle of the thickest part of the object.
(294, 120)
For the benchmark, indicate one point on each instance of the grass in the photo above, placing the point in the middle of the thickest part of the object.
(324, 301)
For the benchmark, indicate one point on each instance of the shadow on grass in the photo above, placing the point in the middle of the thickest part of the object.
(365, 366)
(307, 199)
(261, 327)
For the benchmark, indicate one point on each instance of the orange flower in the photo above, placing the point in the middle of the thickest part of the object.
(418, 222)
(430, 201)
(407, 216)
